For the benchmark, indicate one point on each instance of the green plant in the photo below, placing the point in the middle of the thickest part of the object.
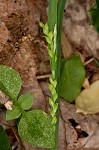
(51, 40)
(52, 32)
(95, 15)
(4, 141)
(35, 125)
(72, 77)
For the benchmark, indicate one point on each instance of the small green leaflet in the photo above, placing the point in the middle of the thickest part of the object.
(4, 141)
(26, 101)
(72, 78)
(35, 128)
(10, 82)
(95, 15)
(13, 114)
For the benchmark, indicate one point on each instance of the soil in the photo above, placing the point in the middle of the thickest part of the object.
(23, 48)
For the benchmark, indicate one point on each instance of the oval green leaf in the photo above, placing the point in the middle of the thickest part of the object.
(4, 141)
(14, 113)
(72, 78)
(10, 82)
(36, 129)
(26, 101)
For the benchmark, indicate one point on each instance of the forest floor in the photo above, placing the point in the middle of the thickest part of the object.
(23, 47)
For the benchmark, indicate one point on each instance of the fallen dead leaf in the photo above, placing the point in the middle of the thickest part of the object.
(86, 83)
(88, 101)
(66, 46)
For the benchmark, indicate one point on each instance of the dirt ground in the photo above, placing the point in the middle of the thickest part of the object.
(23, 47)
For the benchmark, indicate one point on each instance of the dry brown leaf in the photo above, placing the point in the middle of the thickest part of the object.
(78, 27)
(66, 46)
(86, 83)
(88, 101)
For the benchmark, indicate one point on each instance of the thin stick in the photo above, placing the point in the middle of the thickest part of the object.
(89, 61)
(43, 76)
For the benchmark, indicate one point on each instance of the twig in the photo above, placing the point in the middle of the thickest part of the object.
(43, 76)
(89, 61)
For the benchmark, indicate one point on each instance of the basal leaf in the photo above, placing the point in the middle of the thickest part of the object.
(72, 78)
(36, 129)
(13, 114)
(26, 101)
(63, 61)
(4, 141)
(10, 82)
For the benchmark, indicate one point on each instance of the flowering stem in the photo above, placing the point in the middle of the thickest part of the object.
(52, 32)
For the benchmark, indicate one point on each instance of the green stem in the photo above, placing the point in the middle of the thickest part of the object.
(52, 14)
(55, 17)
(52, 21)
(60, 8)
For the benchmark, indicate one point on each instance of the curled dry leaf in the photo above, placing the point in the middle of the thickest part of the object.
(88, 101)
(86, 83)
